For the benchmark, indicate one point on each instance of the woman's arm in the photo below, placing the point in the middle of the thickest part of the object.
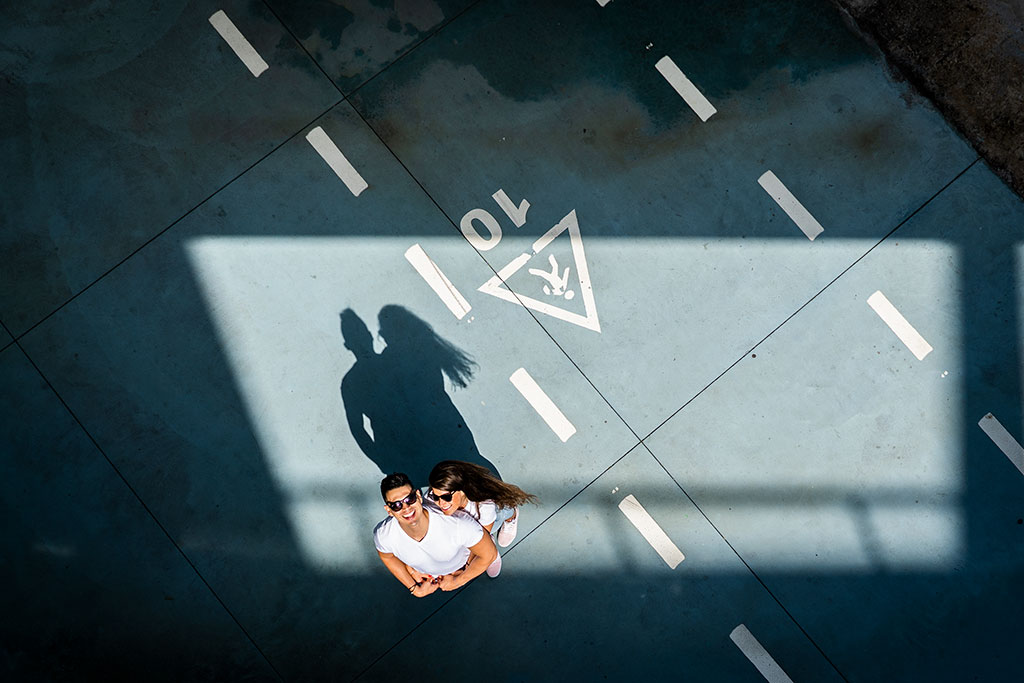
(481, 556)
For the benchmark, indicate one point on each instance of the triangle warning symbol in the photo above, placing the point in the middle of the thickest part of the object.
(556, 286)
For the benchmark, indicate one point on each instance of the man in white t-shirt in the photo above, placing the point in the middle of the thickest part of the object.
(425, 549)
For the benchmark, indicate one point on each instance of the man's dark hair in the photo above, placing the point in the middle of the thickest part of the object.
(394, 481)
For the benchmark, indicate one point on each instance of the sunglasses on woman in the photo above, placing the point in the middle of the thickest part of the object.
(397, 505)
(446, 497)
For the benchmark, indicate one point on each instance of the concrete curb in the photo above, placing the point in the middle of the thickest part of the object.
(967, 57)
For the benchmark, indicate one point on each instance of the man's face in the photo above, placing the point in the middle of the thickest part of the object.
(407, 512)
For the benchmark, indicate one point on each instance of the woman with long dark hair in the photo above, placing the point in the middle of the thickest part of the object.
(457, 485)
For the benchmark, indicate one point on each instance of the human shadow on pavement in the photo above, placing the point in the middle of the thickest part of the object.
(396, 404)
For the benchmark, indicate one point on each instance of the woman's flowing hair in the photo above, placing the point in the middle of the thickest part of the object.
(477, 483)
(409, 332)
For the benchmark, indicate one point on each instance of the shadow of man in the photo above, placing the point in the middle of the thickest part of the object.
(396, 404)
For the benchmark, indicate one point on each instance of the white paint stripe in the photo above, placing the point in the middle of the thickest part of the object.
(441, 285)
(687, 90)
(517, 214)
(326, 148)
(602, 3)
(1002, 438)
(544, 406)
(650, 530)
(791, 205)
(758, 656)
(237, 42)
(898, 324)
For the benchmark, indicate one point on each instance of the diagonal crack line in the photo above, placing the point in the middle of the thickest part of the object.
(117, 471)
(808, 302)
(173, 223)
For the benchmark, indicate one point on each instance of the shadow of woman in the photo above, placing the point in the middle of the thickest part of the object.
(400, 395)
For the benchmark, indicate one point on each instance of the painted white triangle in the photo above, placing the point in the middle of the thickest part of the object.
(496, 285)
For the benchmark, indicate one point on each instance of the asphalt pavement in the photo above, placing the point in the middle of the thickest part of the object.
(740, 286)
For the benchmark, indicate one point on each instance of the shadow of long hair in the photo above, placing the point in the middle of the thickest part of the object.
(408, 334)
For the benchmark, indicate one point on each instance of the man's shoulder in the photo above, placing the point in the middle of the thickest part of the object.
(463, 517)
(457, 519)
(383, 527)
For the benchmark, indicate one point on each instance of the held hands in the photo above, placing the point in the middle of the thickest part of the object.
(418, 577)
(425, 587)
(427, 584)
(451, 582)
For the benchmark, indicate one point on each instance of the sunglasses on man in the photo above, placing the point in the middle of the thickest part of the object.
(397, 505)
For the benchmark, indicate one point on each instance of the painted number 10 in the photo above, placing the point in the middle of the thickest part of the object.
(517, 214)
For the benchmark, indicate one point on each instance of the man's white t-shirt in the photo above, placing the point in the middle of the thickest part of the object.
(443, 550)
(485, 512)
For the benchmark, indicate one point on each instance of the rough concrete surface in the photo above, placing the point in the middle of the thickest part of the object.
(967, 56)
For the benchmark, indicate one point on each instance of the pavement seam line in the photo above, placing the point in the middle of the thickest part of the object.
(816, 295)
(791, 316)
(745, 564)
(415, 46)
(491, 268)
(523, 538)
(302, 47)
(173, 223)
(149, 512)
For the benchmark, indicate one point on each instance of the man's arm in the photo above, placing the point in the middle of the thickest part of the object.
(401, 572)
(481, 556)
(354, 417)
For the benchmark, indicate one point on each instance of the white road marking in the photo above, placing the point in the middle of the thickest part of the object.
(544, 406)
(330, 153)
(602, 3)
(517, 214)
(496, 285)
(237, 42)
(687, 90)
(898, 324)
(1002, 438)
(442, 286)
(368, 426)
(650, 530)
(791, 205)
(758, 656)
(473, 235)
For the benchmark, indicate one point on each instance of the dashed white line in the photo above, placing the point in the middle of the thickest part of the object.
(650, 530)
(442, 286)
(687, 90)
(899, 325)
(330, 153)
(544, 406)
(758, 656)
(1004, 440)
(237, 42)
(791, 205)
(602, 3)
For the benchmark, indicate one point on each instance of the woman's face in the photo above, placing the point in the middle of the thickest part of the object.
(448, 501)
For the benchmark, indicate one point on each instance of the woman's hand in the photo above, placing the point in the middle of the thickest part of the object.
(424, 589)
(450, 582)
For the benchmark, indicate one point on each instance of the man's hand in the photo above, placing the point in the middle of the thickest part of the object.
(450, 582)
(418, 577)
(424, 589)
